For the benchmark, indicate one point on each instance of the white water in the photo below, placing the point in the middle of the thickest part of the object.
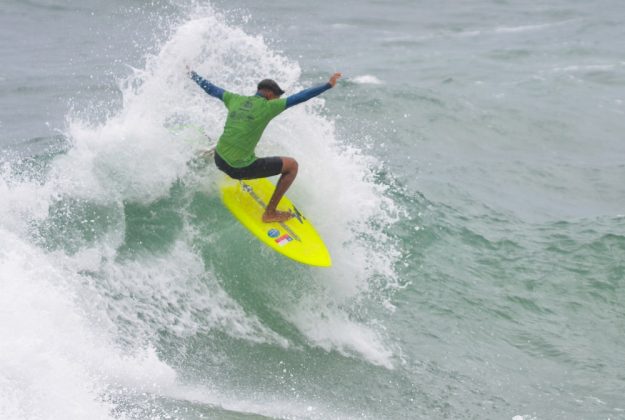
(54, 364)
(69, 338)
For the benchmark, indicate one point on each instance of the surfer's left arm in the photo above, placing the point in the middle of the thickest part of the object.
(208, 87)
(310, 93)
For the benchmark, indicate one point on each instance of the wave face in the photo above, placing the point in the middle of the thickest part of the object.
(466, 175)
(126, 284)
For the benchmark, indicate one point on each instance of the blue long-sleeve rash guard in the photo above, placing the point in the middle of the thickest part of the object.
(306, 94)
(208, 87)
(292, 100)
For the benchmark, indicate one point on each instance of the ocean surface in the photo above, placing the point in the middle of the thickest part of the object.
(467, 175)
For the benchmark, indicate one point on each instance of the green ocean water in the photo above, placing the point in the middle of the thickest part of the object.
(466, 176)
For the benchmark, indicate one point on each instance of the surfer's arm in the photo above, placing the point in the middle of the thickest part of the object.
(208, 87)
(306, 94)
(310, 93)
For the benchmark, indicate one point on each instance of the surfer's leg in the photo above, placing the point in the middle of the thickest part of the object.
(289, 172)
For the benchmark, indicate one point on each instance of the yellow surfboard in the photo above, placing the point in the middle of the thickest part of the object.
(296, 238)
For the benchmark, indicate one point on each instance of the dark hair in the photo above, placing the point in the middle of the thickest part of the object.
(271, 85)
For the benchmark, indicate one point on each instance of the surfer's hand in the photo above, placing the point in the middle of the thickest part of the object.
(334, 78)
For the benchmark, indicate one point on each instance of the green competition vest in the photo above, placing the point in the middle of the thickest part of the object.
(247, 118)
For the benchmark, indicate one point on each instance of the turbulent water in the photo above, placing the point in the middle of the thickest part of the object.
(466, 174)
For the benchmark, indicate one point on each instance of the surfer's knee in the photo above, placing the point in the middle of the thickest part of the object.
(289, 166)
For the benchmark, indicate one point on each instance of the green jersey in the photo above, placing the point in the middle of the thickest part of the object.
(247, 118)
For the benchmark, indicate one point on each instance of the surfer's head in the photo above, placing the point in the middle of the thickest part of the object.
(269, 89)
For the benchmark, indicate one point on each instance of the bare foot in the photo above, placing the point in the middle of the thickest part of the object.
(277, 216)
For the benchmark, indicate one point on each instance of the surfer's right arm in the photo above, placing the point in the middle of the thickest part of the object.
(208, 87)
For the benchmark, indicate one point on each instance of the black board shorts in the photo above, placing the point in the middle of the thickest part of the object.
(260, 168)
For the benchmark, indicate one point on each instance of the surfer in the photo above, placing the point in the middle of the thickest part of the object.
(247, 118)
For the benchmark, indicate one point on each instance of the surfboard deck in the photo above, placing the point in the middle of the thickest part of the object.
(296, 238)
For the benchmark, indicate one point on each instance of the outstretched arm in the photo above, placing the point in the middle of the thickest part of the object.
(208, 87)
(310, 93)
